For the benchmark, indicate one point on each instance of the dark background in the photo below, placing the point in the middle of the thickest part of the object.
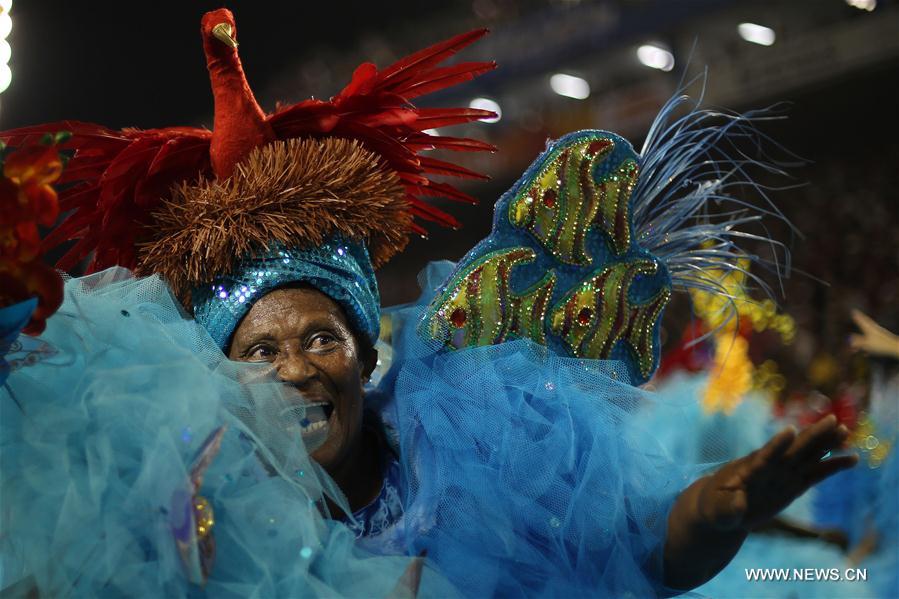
(141, 64)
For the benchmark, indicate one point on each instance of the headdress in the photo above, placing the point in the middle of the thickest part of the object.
(236, 210)
(588, 245)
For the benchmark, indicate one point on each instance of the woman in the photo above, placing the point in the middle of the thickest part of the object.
(513, 464)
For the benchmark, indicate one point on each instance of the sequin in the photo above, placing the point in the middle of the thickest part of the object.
(482, 307)
(584, 316)
(340, 269)
(573, 200)
(610, 317)
(204, 516)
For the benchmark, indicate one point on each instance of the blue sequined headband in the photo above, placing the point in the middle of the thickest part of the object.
(340, 269)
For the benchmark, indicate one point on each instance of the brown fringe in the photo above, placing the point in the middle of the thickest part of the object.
(297, 192)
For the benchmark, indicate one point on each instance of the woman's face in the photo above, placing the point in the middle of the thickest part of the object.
(306, 337)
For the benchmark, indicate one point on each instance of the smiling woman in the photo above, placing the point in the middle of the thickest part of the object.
(306, 336)
(156, 451)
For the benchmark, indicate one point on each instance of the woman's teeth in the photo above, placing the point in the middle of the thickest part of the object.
(311, 428)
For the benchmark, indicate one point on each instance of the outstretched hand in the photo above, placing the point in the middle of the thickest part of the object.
(874, 339)
(750, 490)
(711, 518)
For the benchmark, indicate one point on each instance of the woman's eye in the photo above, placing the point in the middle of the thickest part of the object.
(323, 341)
(261, 353)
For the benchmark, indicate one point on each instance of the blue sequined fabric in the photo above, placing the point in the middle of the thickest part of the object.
(339, 268)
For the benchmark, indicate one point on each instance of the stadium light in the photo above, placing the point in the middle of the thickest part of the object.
(570, 86)
(757, 34)
(655, 57)
(867, 5)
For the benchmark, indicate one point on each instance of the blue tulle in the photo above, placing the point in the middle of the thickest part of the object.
(97, 441)
(12, 320)
(524, 472)
(521, 472)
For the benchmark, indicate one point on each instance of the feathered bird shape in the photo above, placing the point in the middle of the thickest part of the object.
(120, 177)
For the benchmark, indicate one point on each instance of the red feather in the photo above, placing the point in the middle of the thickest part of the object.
(119, 177)
(434, 118)
(423, 141)
(443, 190)
(442, 78)
(410, 66)
(430, 213)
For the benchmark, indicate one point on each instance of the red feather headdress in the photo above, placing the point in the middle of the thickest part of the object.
(124, 183)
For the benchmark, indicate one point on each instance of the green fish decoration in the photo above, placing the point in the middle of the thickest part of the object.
(594, 316)
(566, 198)
(561, 266)
(478, 306)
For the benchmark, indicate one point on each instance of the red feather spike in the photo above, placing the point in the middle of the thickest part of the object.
(419, 230)
(430, 213)
(442, 78)
(423, 141)
(434, 118)
(407, 67)
(443, 190)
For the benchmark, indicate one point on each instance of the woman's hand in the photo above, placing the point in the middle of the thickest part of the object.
(711, 518)
(874, 339)
(750, 490)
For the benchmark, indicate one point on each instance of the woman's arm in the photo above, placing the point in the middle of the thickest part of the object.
(711, 518)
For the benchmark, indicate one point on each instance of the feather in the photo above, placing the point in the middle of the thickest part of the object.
(423, 141)
(406, 68)
(435, 118)
(179, 151)
(443, 190)
(430, 213)
(691, 169)
(438, 79)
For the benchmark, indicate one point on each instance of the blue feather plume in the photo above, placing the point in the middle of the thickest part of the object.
(697, 203)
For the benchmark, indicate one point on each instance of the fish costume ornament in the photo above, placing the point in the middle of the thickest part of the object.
(587, 246)
(139, 460)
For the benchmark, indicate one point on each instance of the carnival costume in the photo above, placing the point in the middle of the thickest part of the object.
(139, 460)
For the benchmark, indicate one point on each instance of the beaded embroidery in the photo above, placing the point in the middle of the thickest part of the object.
(479, 308)
(562, 266)
(592, 318)
(576, 190)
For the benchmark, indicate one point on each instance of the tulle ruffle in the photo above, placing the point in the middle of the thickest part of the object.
(525, 474)
(97, 445)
